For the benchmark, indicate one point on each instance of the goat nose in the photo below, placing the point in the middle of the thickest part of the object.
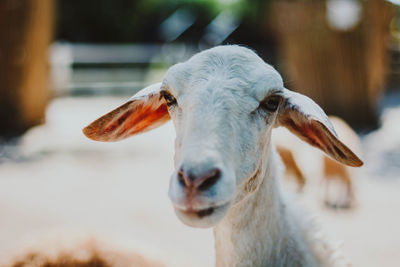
(200, 180)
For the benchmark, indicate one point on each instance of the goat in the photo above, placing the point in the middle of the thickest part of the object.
(337, 178)
(224, 103)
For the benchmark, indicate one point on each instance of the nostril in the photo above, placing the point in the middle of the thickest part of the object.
(200, 180)
(210, 179)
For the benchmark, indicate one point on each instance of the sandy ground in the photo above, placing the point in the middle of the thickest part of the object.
(57, 186)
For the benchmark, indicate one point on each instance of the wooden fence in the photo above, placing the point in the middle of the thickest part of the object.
(343, 70)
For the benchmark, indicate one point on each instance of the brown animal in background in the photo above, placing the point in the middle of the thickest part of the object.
(337, 177)
(291, 165)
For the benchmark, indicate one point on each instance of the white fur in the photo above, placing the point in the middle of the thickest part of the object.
(217, 90)
(220, 124)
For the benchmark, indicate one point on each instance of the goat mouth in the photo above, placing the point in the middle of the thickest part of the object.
(204, 217)
(201, 213)
(205, 212)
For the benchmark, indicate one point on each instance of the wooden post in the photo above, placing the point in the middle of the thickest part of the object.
(344, 71)
(26, 28)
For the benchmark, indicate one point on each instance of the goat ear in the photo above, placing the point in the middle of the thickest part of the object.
(144, 111)
(307, 120)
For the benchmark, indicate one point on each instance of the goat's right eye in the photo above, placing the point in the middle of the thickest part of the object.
(271, 103)
(170, 99)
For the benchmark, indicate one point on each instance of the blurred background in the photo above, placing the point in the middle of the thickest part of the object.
(63, 63)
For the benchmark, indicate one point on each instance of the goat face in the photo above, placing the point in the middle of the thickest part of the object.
(224, 103)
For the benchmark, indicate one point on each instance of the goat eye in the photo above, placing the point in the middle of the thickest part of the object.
(271, 103)
(170, 99)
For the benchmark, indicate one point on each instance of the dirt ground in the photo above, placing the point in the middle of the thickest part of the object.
(57, 187)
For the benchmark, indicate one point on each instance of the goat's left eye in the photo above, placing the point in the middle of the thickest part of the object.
(170, 99)
(271, 103)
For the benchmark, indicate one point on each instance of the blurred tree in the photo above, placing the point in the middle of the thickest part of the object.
(127, 21)
(105, 21)
(25, 33)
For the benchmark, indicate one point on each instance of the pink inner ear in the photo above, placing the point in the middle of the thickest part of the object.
(320, 138)
(309, 132)
(318, 135)
(131, 118)
(146, 119)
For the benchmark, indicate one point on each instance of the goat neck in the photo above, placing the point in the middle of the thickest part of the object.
(258, 230)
